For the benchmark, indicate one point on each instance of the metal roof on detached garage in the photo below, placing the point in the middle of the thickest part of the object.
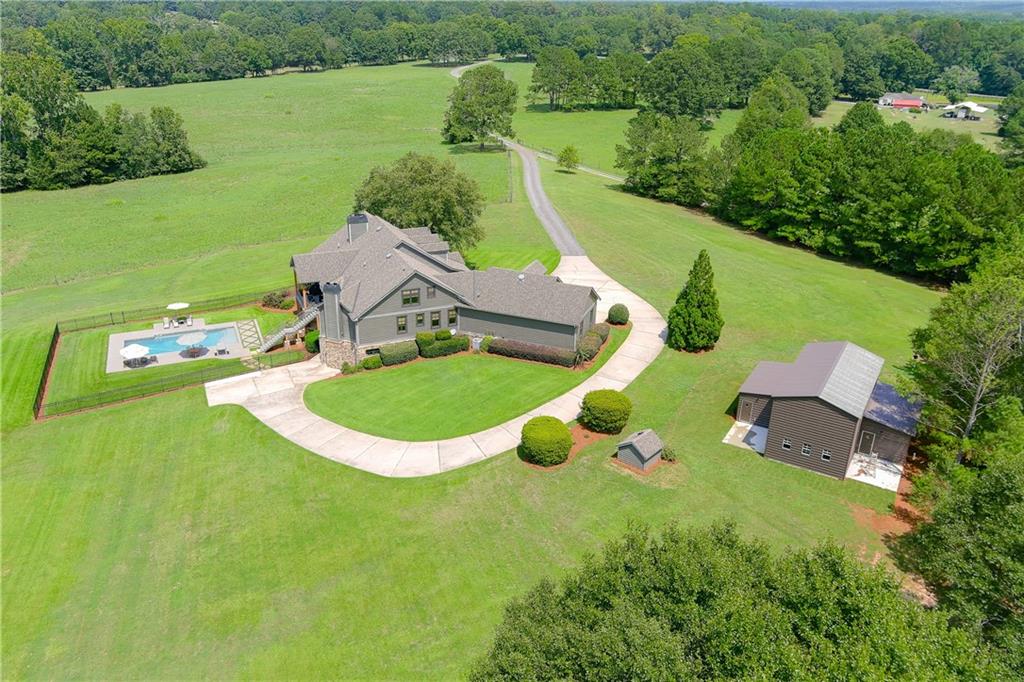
(839, 372)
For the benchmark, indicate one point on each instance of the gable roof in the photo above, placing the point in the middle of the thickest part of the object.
(535, 268)
(889, 408)
(371, 264)
(645, 441)
(839, 372)
(521, 294)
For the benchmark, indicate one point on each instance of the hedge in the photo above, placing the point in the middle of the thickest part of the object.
(589, 346)
(618, 314)
(546, 441)
(456, 344)
(605, 411)
(485, 343)
(442, 334)
(371, 362)
(397, 353)
(313, 341)
(424, 339)
(533, 351)
(602, 329)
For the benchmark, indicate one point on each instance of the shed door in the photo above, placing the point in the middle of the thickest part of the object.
(746, 408)
(867, 443)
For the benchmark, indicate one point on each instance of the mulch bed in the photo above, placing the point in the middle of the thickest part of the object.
(581, 438)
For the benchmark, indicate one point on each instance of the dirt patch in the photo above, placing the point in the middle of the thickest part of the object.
(638, 471)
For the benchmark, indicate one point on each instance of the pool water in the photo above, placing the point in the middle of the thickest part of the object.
(168, 343)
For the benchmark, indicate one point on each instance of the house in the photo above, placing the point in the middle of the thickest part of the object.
(372, 283)
(827, 410)
(902, 100)
(641, 449)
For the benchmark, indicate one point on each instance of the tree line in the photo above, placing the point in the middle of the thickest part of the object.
(925, 204)
(155, 43)
(51, 139)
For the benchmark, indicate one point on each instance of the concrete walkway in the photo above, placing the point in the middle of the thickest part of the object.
(275, 396)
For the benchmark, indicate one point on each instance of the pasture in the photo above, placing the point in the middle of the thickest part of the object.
(163, 538)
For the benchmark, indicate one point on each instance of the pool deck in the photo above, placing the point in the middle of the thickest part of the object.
(115, 363)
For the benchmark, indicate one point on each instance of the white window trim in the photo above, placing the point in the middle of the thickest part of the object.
(787, 444)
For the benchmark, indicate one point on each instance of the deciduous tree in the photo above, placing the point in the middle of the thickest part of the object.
(481, 105)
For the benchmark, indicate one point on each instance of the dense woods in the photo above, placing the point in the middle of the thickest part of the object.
(108, 44)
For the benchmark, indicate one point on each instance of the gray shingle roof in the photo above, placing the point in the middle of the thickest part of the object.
(889, 408)
(646, 441)
(839, 372)
(519, 294)
(536, 268)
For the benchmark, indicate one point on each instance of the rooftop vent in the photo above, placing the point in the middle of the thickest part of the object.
(520, 277)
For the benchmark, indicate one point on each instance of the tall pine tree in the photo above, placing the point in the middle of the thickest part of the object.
(694, 322)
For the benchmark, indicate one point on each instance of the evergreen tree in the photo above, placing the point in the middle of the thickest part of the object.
(695, 323)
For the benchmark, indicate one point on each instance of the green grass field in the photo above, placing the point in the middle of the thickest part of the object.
(81, 363)
(416, 401)
(166, 539)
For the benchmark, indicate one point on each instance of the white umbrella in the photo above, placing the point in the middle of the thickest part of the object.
(134, 351)
(190, 339)
(177, 306)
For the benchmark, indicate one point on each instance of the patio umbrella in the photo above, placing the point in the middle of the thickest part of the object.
(191, 339)
(134, 351)
(177, 306)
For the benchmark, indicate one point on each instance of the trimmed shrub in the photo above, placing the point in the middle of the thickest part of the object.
(605, 411)
(347, 368)
(589, 346)
(397, 353)
(668, 454)
(424, 339)
(546, 441)
(533, 351)
(602, 329)
(456, 344)
(485, 343)
(618, 314)
(442, 335)
(276, 299)
(372, 362)
(313, 341)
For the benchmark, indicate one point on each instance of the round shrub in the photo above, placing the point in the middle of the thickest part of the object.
(275, 299)
(313, 341)
(442, 335)
(424, 339)
(618, 314)
(602, 329)
(546, 442)
(605, 411)
(372, 362)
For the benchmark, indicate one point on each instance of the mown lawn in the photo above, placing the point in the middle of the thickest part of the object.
(80, 367)
(285, 155)
(416, 401)
(164, 539)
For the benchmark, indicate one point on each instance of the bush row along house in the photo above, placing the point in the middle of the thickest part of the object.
(375, 284)
(827, 407)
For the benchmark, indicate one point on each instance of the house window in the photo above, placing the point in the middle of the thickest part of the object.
(787, 444)
(826, 455)
(401, 324)
(431, 292)
(419, 319)
(410, 296)
(453, 316)
(805, 449)
(435, 319)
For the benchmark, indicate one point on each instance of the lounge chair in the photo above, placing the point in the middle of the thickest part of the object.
(167, 323)
(174, 322)
(188, 320)
(152, 359)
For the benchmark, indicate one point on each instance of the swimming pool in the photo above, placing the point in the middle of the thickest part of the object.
(168, 343)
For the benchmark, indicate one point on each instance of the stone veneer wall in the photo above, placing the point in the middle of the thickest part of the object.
(334, 353)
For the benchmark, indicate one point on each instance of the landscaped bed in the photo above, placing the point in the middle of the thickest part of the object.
(446, 397)
(79, 367)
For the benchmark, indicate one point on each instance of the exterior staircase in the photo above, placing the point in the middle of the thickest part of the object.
(307, 316)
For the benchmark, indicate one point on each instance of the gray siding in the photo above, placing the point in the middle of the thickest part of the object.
(518, 328)
(889, 443)
(812, 421)
(760, 411)
(629, 455)
(393, 303)
(332, 325)
(589, 318)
